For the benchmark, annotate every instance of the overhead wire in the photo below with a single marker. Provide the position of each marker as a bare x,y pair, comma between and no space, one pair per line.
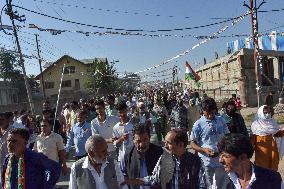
46,52
108,10
50,45
82,48
123,29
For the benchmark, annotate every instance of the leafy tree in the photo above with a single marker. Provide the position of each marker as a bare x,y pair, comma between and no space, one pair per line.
9,66
34,85
103,78
10,70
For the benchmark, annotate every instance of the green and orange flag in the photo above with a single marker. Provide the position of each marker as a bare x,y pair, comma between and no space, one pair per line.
190,73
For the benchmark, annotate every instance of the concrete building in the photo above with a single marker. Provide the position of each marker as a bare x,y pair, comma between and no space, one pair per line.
9,97
76,73
8,94
235,74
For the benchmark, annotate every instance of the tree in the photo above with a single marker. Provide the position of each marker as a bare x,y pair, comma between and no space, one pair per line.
34,84
10,71
9,66
103,78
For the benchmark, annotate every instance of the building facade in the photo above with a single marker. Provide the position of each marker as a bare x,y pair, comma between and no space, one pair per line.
8,94
75,74
235,74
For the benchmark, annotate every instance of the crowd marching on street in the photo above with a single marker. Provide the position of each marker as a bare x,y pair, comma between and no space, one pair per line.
143,140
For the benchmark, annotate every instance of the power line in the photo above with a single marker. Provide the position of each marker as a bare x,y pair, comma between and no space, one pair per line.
27,49
43,43
47,43
107,10
46,52
124,29
272,10
84,50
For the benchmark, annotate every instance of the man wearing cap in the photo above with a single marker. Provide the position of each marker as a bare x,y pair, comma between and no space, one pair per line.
179,114
143,116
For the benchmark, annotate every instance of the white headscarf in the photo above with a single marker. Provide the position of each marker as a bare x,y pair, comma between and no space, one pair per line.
263,126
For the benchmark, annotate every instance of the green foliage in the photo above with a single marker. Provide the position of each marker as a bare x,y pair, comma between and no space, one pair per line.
9,67
34,85
10,71
104,77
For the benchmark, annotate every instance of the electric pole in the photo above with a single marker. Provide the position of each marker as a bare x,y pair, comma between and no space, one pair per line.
40,67
257,59
174,73
13,16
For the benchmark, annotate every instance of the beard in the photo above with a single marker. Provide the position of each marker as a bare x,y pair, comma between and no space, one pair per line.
98,160
142,150
231,113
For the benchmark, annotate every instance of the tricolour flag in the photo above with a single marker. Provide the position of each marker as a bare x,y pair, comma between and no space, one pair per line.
190,73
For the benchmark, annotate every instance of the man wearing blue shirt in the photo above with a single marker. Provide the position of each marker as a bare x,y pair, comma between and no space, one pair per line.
78,135
24,168
206,133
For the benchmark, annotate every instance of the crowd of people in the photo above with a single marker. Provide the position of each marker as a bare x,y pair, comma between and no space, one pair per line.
142,140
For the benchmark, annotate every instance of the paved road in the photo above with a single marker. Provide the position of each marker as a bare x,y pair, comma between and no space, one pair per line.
64,180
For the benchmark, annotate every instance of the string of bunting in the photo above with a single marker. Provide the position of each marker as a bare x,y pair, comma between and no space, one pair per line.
164,73
197,45
154,76
88,33
158,80
53,31
155,73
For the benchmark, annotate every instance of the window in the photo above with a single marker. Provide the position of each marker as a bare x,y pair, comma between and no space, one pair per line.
77,84
69,69
66,83
49,85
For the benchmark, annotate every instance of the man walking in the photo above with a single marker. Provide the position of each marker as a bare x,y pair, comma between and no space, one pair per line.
206,133
141,159
236,151
103,125
95,171
24,168
79,135
176,168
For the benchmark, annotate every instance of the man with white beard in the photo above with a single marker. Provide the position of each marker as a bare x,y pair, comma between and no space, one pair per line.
95,171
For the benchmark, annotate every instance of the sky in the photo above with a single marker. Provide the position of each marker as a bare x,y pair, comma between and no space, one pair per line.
135,53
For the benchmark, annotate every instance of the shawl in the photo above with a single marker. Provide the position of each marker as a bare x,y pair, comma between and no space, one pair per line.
262,126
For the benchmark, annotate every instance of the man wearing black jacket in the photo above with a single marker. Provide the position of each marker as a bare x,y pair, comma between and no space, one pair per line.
141,158
236,151
176,168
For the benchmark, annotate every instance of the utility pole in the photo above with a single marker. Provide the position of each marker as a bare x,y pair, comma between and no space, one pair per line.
95,71
257,59
40,66
12,15
174,73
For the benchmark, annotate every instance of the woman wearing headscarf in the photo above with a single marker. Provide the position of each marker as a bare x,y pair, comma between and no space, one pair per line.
264,130
234,120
